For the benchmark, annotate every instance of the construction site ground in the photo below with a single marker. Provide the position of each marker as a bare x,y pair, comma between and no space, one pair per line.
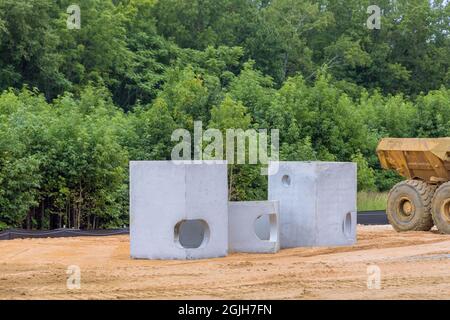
411,265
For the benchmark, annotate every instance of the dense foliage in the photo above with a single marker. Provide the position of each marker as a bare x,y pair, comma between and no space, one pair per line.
77,105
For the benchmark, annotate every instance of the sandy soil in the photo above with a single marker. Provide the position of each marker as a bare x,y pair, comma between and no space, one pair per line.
413,265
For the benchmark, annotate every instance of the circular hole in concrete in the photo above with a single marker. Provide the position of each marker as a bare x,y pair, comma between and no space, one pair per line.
286,180
347,225
191,234
266,227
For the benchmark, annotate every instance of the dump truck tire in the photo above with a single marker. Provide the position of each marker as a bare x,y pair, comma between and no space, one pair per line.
441,208
409,206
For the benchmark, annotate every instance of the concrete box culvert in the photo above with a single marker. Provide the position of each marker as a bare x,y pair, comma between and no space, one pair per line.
254,226
317,203
178,211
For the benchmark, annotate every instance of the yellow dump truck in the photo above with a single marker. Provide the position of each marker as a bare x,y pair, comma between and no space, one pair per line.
424,199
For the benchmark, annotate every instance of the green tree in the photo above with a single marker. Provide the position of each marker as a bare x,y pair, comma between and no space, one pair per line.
366,175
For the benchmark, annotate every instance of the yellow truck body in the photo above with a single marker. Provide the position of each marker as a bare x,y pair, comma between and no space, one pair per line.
417,158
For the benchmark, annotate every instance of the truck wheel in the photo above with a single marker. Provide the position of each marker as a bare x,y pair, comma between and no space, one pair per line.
409,206
441,208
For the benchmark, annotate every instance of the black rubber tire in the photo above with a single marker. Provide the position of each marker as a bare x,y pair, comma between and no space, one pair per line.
441,208
420,195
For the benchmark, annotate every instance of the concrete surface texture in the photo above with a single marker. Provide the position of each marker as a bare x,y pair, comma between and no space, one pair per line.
243,235
178,211
317,203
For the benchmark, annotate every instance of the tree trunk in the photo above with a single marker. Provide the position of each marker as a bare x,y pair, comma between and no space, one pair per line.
230,187
285,66
41,222
29,218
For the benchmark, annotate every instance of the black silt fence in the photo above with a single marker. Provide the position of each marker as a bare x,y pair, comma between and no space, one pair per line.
58,233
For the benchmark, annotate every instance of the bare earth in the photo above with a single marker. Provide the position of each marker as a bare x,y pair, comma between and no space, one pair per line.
413,265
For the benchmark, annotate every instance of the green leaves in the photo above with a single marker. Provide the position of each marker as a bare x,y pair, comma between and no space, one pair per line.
229,115
62,159
366,175
433,114
78,104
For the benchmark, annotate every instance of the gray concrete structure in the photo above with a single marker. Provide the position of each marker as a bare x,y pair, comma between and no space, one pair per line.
317,203
246,234
178,211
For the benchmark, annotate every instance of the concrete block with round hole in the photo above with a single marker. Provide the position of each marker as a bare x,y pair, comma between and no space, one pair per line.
178,211
317,203
253,226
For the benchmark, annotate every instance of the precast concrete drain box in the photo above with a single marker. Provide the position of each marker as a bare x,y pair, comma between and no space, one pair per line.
254,226
178,211
317,203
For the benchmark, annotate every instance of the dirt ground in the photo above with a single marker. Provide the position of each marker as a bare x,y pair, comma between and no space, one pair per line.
413,265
